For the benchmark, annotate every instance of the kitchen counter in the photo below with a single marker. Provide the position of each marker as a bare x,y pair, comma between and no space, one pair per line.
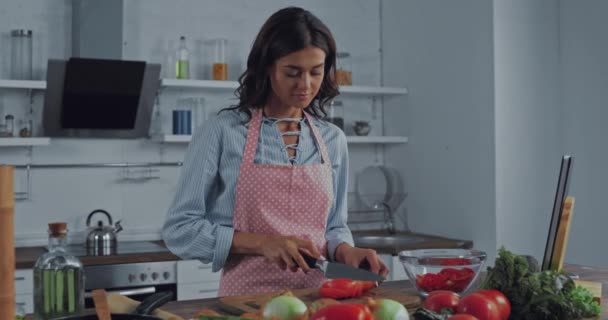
26,257
420,241
186,309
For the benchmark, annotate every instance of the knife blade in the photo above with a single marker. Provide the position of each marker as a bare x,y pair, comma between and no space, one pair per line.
334,270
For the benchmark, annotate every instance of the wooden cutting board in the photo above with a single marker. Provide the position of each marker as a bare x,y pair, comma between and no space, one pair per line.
252,303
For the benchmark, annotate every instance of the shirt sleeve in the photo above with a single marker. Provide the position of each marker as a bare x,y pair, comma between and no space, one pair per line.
187,230
338,231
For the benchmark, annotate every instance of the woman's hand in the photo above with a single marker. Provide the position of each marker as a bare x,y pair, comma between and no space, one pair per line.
357,257
286,251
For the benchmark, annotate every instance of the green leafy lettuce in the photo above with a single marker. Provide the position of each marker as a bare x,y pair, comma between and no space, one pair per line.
546,295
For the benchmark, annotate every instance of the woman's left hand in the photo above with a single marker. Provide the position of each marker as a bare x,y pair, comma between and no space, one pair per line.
356,257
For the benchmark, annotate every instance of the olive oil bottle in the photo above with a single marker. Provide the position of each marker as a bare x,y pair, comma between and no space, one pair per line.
182,63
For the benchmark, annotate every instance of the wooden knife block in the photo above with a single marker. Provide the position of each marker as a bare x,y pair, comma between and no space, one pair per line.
7,244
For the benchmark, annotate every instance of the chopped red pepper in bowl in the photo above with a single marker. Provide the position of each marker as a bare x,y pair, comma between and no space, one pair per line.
442,269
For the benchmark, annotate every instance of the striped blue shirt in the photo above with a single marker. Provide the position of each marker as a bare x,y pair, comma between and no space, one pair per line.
199,220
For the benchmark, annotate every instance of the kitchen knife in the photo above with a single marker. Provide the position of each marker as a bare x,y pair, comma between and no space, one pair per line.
334,270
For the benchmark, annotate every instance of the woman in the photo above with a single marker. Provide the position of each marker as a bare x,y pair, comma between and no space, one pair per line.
266,181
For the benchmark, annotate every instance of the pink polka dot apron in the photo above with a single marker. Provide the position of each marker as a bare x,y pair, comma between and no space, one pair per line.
278,199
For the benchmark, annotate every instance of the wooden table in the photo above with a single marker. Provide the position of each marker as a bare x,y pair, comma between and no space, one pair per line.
186,309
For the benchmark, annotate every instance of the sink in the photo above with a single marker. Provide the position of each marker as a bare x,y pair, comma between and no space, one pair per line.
397,240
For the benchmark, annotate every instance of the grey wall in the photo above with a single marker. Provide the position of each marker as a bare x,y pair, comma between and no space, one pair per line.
97,29
527,119
584,82
149,26
442,51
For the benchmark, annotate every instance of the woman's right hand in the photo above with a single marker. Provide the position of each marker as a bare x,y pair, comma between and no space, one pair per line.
286,251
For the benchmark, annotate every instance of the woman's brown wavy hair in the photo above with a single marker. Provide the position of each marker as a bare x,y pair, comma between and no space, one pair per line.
287,30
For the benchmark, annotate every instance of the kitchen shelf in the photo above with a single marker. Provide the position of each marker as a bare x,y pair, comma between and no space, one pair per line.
24,142
22,84
232,85
350,139
200,84
376,139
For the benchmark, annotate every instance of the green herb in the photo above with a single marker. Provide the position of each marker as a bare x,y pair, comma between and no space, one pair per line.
546,295
583,300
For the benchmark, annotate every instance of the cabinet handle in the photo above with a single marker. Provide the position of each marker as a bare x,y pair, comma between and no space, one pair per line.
19,278
20,304
127,293
205,291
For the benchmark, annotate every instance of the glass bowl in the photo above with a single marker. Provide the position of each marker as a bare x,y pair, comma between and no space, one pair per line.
442,269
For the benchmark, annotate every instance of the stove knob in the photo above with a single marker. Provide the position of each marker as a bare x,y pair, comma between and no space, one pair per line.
154,275
143,277
131,278
166,275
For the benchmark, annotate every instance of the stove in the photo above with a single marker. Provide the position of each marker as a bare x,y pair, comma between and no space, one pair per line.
122,248
136,280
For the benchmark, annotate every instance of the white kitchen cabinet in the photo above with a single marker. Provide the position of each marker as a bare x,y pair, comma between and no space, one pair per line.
199,290
24,289
24,281
25,301
195,280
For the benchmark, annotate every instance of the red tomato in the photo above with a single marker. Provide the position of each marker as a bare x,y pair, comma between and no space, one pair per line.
344,311
441,299
480,306
462,317
447,279
503,304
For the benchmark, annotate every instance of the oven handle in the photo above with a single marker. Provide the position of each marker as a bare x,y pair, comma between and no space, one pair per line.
130,292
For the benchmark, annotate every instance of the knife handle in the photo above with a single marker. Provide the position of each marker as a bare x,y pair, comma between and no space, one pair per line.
310,261
365,265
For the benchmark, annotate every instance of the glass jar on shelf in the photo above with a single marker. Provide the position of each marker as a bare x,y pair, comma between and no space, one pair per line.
336,114
26,128
58,278
9,122
21,54
344,75
220,62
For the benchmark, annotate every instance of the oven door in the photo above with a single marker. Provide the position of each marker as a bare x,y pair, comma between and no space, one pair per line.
135,293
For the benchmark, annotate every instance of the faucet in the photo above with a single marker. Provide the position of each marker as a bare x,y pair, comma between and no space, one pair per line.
389,224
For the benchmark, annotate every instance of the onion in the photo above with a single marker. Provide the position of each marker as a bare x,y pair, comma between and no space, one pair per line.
387,309
284,308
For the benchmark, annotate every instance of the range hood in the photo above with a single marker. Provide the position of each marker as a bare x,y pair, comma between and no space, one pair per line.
99,98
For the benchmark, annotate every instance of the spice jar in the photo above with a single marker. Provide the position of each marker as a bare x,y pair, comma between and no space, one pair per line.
9,122
344,75
336,114
220,64
25,130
